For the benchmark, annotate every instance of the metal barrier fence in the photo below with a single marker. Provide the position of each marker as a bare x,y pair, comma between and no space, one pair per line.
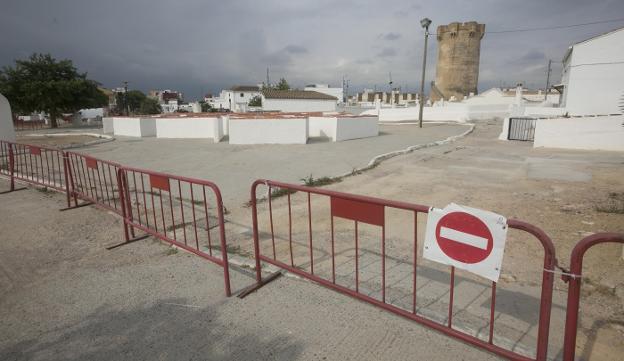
37,165
371,212
94,180
176,210
574,288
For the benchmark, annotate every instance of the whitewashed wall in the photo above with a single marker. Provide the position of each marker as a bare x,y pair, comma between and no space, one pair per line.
594,75
299,105
269,131
134,127
192,127
454,112
356,127
107,125
590,133
322,127
7,132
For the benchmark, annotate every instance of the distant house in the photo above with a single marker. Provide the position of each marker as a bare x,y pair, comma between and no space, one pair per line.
235,99
592,81
326,89
297,101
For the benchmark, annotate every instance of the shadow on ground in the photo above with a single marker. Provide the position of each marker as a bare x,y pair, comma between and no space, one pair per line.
168,330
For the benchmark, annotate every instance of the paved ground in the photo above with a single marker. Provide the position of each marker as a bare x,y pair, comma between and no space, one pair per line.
63,296
235,167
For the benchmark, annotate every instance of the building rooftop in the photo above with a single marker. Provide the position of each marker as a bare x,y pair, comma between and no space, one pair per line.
245,88
296,94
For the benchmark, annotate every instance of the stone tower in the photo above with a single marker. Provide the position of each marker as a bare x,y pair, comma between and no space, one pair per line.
457,71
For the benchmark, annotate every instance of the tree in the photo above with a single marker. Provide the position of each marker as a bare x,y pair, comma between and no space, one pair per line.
136,102
282,85
150,106
205,106
41,83
255,101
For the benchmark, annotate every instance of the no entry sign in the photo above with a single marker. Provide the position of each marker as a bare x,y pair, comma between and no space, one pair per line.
467,238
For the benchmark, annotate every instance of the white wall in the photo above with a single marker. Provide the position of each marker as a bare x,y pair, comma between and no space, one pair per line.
269,131
134,127
334,92
591,133
594,75
299,105
191,127
107,125
356,127
7,132
322,127
456,112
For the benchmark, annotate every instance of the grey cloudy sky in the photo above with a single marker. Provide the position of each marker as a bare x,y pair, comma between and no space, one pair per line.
202,46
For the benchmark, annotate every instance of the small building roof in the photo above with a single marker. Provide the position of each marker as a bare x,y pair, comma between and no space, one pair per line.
245,88
296,94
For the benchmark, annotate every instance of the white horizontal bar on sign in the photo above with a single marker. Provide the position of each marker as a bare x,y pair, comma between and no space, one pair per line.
463,237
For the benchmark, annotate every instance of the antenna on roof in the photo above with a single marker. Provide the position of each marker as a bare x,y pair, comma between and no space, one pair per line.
390,80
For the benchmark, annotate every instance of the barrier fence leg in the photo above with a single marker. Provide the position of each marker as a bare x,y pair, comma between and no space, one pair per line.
122,200
224,255
254,217
12,166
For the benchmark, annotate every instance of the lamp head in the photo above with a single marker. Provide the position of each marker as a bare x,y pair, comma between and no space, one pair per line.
425,23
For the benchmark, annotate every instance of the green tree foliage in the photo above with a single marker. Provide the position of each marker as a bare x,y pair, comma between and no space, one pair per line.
282,85
136,102
205,107
43,84
255,101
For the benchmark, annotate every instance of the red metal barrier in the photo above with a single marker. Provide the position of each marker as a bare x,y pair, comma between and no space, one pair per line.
373,211
94,180
574,287
37,165
175,209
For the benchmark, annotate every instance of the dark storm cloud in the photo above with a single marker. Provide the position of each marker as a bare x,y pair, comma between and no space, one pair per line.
202,46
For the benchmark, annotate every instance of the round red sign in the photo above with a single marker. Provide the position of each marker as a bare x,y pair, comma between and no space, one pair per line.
464,237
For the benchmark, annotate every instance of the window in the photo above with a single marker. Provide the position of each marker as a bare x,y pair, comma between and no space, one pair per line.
242,95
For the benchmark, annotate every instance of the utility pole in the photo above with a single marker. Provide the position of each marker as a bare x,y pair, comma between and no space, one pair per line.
547,80
268,82
125,97
425,24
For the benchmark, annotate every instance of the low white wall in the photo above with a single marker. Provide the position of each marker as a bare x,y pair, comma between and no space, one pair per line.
454,112
269,131
356,127
134,127
590,133
322,127
191,127
544,111
299,105
7,132
107,125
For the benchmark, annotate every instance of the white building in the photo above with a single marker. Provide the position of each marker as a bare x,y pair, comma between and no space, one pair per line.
235,99
298,101
593,75
326,89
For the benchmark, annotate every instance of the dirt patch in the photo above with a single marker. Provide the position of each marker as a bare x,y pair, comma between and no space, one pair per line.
58,141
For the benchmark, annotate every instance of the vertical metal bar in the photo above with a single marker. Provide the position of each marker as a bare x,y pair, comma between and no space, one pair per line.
162,212
207,221
310,233
136,197
99,179
292,263
173,223
182,209
68,185
332,251
120,177
452,289
12,166
194,219
383,263
271,221
415,260
108,197
145,201
153,206
357,266
112,185
224,255
492,309
254,224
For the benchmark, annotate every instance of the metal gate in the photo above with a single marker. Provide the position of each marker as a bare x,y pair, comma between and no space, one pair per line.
521,129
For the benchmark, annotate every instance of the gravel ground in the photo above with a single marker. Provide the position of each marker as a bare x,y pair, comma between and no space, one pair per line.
63,296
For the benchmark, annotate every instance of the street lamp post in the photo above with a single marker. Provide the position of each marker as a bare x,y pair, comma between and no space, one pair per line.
425,24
